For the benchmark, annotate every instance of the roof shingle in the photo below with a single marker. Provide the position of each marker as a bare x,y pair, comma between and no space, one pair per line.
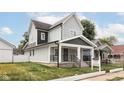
117,49
41,25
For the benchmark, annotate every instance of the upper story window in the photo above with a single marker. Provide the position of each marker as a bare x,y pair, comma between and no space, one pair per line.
43,36
73,33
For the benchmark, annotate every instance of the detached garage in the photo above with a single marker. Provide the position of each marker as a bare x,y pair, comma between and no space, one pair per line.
6,51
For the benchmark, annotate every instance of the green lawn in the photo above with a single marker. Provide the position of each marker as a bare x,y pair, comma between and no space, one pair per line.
116,79
107,67
34,71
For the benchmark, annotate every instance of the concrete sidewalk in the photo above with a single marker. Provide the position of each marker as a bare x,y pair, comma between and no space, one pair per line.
78,77
106,76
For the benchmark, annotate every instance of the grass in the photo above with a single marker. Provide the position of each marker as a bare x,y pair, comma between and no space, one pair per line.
35,72
116,79
107,67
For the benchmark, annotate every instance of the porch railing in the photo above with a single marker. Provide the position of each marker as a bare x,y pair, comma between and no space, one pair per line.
73,59
70,58
53,58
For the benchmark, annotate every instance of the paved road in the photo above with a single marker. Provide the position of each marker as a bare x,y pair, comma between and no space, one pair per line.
107,76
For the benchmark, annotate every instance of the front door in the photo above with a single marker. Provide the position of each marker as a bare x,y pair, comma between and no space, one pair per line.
65,54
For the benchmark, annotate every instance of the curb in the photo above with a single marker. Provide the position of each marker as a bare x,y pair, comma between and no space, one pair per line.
79,77
116,70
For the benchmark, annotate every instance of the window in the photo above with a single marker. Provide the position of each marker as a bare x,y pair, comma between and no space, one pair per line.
56,52
42,36
73,33
86,55
31,52
96,54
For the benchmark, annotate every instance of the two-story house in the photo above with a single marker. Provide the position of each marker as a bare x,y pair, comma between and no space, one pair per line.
61,43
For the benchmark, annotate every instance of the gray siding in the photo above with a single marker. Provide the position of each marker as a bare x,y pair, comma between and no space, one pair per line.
77,41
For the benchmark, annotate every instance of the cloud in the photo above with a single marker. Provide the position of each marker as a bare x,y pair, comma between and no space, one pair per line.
6,31
53,19
121,40
121,14
82,17
116,30
36,14
49,19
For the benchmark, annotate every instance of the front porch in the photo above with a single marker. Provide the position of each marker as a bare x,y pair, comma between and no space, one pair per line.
70,55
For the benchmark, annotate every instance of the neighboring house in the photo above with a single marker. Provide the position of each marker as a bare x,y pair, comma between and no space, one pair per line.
6,51
117,54
101,52
61,43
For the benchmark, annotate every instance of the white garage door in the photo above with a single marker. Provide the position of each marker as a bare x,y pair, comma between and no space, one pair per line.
5,56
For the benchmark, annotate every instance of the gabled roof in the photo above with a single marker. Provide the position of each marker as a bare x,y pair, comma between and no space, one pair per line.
8,43
118,49
41,25
97,41
102,47
82,37
46,26
62,21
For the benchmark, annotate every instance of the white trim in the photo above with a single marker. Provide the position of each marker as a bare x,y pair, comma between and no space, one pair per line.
30,25
109,47
78,53
99,62
79,22
25,45
68,17
36,37
98,41
79,36
92,56
49,54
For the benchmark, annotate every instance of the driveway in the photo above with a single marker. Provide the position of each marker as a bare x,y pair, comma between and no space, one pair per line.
106,76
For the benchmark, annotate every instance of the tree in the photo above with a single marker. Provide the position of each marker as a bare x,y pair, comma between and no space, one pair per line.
89,29
22,43
108,40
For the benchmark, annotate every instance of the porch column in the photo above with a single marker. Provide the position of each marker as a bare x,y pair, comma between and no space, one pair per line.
49,53
78,53
99,62
92,56
60,50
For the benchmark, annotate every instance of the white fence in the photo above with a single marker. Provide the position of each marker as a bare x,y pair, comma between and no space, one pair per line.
20,58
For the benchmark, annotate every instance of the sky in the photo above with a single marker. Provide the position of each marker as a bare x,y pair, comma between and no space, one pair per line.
14,24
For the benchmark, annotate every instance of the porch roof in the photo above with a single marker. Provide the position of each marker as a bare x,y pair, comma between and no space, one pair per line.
103,47
81,37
